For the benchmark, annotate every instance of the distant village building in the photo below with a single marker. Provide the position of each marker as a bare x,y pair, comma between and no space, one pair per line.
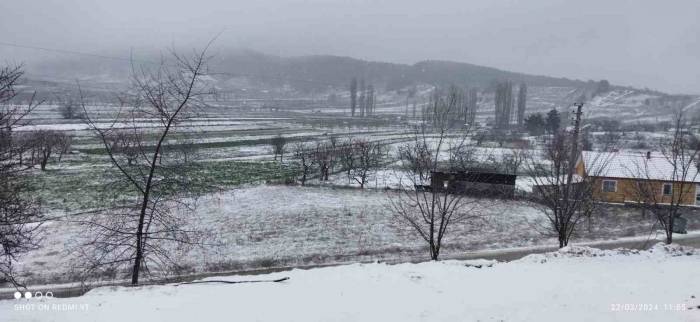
617,174
474,182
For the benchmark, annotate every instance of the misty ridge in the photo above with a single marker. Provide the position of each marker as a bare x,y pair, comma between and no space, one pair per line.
304,73
322,83
642,43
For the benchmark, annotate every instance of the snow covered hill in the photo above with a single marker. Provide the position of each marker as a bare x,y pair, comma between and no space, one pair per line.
573,284
629,105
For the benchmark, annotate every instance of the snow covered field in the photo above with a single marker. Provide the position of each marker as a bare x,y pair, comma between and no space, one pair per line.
573,284
262,226
268,226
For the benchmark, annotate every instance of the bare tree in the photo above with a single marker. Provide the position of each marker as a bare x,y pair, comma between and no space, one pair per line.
669,180
362,100
479,137
46,143
322,157
472,97
368,154
136,229
513,161
563,195
370,104
353,96
187,150
522,103
278,143
416,157
609,140
20,224
63,142
334,147
504,104
304,157
565,198
126,144
20,215
431,212
70,108
346,156
462,155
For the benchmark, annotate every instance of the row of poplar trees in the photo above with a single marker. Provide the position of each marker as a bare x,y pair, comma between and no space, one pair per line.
364,104
505,103
462,102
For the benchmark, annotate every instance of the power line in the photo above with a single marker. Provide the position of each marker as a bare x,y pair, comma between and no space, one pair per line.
72,52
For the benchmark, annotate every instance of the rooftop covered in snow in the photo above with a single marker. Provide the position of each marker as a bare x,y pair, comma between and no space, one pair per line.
639,165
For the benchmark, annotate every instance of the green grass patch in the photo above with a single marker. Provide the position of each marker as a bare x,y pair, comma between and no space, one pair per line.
89,187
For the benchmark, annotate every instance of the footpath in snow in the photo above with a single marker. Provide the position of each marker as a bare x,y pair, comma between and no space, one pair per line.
573,284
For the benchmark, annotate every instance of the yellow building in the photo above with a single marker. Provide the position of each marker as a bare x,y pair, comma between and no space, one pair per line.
622,177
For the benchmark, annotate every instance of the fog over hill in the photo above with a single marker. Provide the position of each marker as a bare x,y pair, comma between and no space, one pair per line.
322,81
643,43
303,73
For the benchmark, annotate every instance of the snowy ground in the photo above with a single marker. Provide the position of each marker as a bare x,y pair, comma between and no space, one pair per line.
262,226
573,284
269,226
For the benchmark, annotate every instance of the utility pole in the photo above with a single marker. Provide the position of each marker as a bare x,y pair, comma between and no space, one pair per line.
574,139
574,152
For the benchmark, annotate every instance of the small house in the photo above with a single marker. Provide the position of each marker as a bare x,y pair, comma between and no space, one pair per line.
617,176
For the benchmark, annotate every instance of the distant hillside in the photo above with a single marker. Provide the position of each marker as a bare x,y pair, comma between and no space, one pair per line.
306,73
319,72
247,74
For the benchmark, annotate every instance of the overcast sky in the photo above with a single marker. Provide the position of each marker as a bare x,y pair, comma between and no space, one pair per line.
644,43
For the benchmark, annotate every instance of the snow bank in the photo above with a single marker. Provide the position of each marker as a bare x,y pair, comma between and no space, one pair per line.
573,284
660,250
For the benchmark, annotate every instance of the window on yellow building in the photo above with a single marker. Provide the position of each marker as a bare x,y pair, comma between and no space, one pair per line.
609,186
668,189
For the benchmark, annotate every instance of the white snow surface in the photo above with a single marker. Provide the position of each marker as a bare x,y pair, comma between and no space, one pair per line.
573,284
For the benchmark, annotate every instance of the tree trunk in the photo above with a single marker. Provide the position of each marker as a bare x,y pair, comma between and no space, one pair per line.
434,252
139,237
139,256
669,228
563,242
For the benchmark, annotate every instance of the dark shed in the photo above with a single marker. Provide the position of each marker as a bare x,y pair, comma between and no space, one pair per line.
474,182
